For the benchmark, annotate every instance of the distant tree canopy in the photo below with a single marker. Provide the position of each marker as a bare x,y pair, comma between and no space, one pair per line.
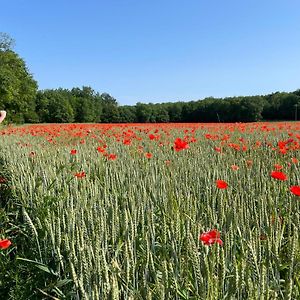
85,105
19,95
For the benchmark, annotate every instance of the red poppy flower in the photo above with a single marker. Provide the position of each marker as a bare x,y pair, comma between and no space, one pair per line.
127,142
80,174
101,149
234,167
279,175
148,155
221,184
179,145
4,244
211,237
295,190
112,156
294,160
73,151
278,167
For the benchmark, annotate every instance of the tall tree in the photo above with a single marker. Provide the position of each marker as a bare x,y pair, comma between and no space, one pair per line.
17,86
110,112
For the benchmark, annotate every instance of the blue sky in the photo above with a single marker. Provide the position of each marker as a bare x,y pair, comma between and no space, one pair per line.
159,50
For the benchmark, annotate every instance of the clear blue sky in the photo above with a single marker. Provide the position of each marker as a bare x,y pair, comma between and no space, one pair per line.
159,50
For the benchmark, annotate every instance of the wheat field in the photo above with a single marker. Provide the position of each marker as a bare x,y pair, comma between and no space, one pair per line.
99,211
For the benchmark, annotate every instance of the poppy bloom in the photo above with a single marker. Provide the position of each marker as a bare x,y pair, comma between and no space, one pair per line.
148,155
279,175
4,244
234,167
283,150
73,151
80,174
112,156
211,237
221,184
278,167
179,145
101,149
295,190
127,142
294,160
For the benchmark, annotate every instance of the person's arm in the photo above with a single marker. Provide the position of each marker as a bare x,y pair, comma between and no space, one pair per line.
2,115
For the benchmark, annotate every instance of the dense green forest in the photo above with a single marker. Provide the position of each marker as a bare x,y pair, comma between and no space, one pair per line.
19,95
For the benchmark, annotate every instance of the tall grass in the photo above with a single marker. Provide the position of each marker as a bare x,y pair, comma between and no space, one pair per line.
130,228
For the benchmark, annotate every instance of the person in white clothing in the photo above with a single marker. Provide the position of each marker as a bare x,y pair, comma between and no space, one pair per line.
2,115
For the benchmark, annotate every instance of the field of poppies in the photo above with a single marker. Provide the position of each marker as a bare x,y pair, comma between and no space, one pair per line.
150,211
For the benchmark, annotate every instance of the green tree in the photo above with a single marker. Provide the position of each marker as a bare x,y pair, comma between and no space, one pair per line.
17,86
110,112
54,106
127,114
85,105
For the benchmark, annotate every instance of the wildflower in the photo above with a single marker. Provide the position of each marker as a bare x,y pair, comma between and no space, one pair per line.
112,156
80,174
179,145
101,149
234,167
148,155
127,142
279,175
221,184
73,152
4,244
278,167
295,190
211,237
294,160
283,150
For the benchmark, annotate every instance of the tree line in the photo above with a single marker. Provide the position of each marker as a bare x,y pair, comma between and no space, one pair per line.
20,96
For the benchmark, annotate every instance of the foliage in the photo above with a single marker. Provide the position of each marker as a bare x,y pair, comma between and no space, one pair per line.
17,88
